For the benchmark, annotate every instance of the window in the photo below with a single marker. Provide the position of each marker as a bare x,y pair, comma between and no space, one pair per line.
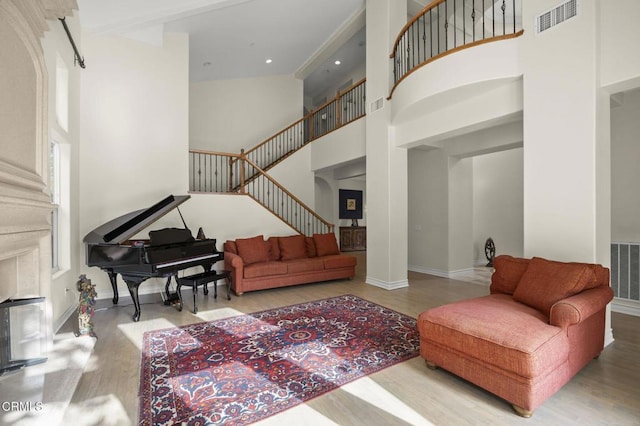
62,94
54,190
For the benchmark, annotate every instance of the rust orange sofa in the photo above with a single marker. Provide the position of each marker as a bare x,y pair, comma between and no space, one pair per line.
542,322
256,264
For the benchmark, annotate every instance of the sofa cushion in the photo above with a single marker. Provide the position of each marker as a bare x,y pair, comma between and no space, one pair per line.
499,331
546,281
230,246
304,265
339,261
274,248
311,247
292,247
508,271
264,269
326,244
252,250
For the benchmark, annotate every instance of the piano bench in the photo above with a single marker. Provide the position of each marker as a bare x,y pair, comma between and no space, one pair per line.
203,278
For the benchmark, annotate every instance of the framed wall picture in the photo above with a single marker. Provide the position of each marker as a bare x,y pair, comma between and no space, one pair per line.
350,204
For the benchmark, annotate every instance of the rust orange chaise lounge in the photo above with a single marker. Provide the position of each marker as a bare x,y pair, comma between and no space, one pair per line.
542,323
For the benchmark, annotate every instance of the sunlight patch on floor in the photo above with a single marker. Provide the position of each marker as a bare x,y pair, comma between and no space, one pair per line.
296,416
374,394
220,313
135,330
101,410
46,389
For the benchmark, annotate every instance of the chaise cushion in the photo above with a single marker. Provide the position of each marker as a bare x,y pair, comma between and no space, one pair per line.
326,244
546,281
499,331
508,271
292,247
253,250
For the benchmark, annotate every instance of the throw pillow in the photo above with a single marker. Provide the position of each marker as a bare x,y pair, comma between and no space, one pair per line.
311,247
326,244
507,274
274,248
292,247
545,282
252,250
230,246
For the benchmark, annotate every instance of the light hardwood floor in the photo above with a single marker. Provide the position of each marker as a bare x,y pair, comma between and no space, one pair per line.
605,392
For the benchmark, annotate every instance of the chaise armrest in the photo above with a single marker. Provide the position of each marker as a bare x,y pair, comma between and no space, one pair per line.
579,307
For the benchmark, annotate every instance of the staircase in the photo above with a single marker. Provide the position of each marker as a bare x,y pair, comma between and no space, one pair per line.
245,173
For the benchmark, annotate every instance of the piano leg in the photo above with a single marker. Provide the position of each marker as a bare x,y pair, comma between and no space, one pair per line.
133,283
113,277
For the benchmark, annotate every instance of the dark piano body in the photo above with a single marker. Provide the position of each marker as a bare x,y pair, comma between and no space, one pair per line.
168,250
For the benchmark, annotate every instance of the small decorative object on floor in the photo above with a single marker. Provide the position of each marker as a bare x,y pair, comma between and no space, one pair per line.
86,306
490,251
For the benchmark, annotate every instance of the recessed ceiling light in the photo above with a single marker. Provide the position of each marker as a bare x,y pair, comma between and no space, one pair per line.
337,62
268,61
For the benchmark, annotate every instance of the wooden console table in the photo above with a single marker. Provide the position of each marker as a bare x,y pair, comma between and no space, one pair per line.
353,238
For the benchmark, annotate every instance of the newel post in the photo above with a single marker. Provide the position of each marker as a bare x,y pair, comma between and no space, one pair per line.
243,162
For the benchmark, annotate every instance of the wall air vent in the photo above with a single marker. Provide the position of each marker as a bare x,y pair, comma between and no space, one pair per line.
556,16
377,104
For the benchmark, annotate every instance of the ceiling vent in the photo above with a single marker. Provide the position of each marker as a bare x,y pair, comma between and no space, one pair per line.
556,16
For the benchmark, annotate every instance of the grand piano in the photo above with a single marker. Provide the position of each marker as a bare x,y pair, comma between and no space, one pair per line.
164,254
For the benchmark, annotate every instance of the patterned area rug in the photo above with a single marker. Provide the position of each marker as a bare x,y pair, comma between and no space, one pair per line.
242,369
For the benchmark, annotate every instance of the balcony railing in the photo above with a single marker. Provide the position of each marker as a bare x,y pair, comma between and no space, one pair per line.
446,26
346,107
222,172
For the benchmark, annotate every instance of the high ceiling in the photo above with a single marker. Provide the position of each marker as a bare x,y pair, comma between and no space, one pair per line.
231,39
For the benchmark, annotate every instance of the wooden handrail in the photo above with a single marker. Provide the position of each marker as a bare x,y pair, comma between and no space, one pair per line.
423,11
416,44
308,116
450,51
283,189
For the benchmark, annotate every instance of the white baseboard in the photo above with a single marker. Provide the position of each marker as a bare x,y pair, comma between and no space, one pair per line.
438,272
64,317
394,285
624,306
148,287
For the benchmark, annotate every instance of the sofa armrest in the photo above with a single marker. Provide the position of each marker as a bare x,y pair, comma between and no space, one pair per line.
579,307
235,264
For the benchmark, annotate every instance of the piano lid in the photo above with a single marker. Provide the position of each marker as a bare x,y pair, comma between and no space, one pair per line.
119,230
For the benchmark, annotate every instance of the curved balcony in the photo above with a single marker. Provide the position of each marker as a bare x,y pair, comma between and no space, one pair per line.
455,37
447,26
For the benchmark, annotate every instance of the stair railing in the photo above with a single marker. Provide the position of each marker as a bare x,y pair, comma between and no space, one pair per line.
446,26
347,106
227,173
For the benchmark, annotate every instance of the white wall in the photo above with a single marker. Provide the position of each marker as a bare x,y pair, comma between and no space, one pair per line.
625,173
227,217
620,63
296,176
497,203
55,43
346,144
566,185
135,128
428,182
228,115
355,75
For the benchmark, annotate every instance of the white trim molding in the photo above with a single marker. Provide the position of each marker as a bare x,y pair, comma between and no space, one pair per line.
393,285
